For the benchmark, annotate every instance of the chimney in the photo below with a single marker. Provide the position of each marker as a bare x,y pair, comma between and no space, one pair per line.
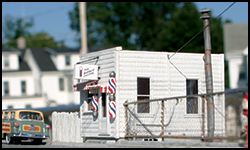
21,43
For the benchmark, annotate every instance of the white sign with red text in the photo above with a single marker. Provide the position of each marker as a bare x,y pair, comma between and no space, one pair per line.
88,72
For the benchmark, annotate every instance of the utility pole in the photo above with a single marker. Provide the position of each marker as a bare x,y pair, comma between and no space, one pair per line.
82,8
208,73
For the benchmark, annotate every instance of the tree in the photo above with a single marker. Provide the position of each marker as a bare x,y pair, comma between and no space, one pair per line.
163,26
41,40
15,27
18,27
157,26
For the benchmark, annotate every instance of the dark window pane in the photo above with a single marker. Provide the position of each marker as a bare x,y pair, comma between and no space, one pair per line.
143,107
192,102
143,86
23,86
6,88
61,84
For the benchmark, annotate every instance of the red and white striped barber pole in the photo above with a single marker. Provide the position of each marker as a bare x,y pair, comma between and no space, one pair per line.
112,90
94,102
112,85
112,109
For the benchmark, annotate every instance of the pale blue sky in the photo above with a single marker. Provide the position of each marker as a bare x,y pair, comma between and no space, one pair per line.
53,18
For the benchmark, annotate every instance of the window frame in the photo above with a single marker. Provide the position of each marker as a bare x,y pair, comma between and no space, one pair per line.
23,87
67,60
6,61
191,110
6,88
144,94
61,84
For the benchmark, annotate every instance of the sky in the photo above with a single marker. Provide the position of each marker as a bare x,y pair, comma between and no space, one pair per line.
53,18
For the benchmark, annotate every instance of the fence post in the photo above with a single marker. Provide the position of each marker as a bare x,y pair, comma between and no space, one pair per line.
126,118
162,119
208,73
203,118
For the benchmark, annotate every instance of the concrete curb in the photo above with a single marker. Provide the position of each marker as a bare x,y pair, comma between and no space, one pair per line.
148,144
186,144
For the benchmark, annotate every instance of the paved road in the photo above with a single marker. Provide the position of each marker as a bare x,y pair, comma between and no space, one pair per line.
75,145
124,144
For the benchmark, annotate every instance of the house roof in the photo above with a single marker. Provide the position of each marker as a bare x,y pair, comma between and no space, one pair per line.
23,64
42,57
67,50
61,51
43,60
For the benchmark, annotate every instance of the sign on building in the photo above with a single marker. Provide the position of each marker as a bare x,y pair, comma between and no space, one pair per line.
88,72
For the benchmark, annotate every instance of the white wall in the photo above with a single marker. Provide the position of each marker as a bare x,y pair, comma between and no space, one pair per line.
61,65
50,87
167,81
21,102
89,126
15,79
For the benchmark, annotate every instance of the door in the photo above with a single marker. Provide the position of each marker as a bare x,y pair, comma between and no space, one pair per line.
103,123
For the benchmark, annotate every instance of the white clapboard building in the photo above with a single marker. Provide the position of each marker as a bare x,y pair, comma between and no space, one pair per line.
164,77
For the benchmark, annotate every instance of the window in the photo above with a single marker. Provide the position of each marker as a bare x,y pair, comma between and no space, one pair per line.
192,102
27,106
6,88
61,84
67,60
6,61
23,87
6,116
30,115
10,106
243,69
143,93
12,115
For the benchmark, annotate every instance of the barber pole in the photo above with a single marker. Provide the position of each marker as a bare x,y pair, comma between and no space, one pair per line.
112,85
112,109
112,90
94,103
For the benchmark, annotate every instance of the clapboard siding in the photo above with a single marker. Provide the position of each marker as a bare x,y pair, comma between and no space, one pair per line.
166,80
90,127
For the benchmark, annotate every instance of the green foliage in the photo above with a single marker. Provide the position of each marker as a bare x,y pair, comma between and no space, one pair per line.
17,27
157,26
40,40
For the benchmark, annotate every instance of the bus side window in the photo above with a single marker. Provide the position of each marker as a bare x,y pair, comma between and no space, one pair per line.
12,115
6,116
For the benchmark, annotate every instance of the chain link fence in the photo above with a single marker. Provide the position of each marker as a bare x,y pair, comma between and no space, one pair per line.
186,117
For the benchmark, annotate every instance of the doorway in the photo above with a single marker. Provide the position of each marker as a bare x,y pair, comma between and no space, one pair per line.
103,124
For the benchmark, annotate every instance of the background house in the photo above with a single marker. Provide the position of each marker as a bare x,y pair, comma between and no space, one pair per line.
236,53
34,78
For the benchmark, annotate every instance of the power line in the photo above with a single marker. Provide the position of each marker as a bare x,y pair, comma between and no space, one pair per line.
194,38
47,11
202,29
